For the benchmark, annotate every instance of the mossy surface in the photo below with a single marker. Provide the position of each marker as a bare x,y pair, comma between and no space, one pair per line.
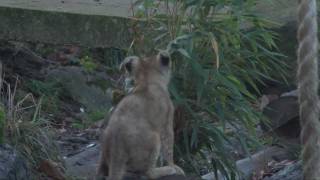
64,28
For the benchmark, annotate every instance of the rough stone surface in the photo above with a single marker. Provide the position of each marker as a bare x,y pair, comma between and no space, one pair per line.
281,111
64,28
291,172
12,165
22,61
94,23
84,165
280,12
81,87
283,114
119,8
255,163
258,161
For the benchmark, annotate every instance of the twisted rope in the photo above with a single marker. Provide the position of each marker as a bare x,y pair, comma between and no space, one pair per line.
308,89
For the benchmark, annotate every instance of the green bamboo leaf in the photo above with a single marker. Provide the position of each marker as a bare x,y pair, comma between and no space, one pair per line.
184,53
217,98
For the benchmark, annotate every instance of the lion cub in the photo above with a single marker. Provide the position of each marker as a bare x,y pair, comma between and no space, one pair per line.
141,124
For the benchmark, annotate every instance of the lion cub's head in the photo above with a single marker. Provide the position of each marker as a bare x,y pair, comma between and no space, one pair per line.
143,71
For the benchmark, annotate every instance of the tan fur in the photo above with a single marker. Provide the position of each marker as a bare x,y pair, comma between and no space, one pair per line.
141,125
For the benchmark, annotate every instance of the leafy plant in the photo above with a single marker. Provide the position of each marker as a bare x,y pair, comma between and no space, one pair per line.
44,88
112,58
102,59
78,125
221,49
34,138
26,129
49,91
88,63
90,118
96,115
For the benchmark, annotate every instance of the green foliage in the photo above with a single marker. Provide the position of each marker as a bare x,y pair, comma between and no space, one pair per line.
112,58
88,64
33,137
220,51
97,115
101,83
102,59
2,124
89,119
43,49
78,125
26,129
49,91
40,88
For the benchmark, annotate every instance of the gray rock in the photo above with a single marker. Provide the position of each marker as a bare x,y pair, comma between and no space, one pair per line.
281,12
83,87
281,111
18,59
83,164
81,22
283,115
253,164
291,93
12,165
291,172
258,161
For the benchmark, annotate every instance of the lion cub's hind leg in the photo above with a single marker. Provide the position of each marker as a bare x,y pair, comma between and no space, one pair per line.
159,172
102,169
118,163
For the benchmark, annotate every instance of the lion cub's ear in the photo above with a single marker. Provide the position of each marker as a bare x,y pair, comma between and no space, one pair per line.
129,63
164,58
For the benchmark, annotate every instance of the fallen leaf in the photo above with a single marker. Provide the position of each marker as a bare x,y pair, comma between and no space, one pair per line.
51,169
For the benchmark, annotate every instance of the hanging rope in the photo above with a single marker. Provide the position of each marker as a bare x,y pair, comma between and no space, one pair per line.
308,89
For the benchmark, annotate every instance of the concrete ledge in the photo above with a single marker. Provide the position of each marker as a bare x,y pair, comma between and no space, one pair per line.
64,28
99,23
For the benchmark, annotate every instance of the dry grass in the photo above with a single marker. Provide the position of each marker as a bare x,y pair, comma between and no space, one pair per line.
25,128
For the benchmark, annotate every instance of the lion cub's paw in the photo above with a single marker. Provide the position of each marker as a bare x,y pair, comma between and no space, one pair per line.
178,170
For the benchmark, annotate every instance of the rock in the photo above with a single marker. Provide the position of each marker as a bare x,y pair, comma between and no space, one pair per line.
79,140
281,12
283,114
255,163
80,22
84,165
83,87
12,165
290,93
291,172
178,177
211,176
17,58
266,99
258,161
172,177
